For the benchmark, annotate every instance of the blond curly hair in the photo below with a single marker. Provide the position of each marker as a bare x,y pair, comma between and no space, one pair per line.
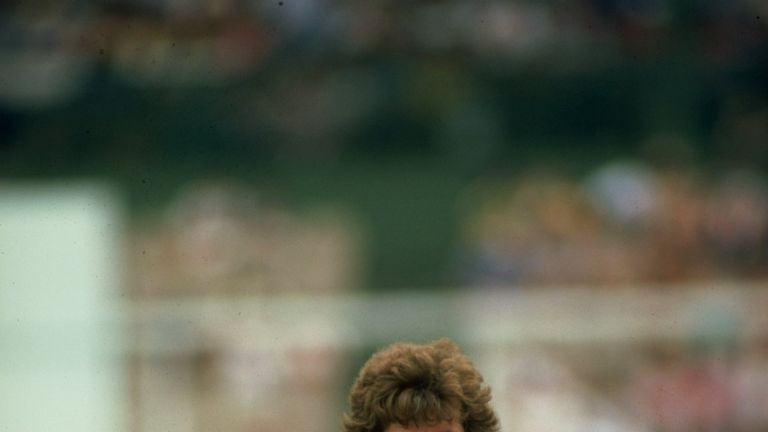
410,384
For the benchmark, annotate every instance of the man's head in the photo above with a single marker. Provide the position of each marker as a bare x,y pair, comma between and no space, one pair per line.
420,388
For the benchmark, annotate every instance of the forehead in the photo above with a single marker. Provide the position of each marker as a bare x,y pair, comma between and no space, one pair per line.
439,427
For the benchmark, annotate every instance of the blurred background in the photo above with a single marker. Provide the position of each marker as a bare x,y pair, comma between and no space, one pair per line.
213,211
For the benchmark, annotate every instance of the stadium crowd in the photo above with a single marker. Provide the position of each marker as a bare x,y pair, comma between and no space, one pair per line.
623,223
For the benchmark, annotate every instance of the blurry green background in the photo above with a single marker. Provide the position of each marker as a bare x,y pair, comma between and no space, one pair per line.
387,108
574,190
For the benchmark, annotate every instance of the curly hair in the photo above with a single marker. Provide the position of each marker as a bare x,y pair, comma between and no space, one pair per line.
410,384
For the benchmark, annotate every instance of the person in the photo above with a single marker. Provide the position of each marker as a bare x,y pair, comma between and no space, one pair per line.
420,388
